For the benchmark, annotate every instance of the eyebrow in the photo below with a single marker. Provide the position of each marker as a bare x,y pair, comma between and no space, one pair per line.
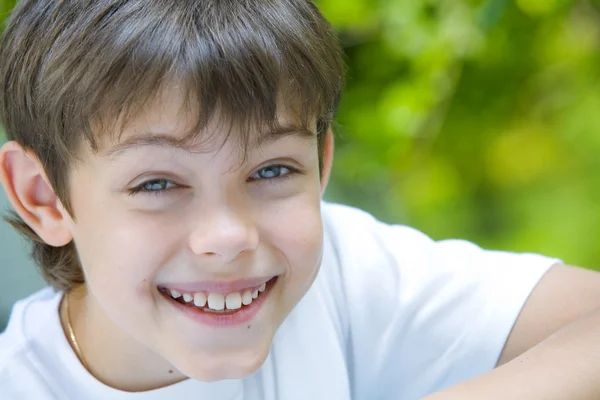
166,140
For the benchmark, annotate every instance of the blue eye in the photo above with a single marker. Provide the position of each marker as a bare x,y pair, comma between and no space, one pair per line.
271,172
155,186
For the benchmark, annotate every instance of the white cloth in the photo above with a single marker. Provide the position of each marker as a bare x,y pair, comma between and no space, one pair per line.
392,314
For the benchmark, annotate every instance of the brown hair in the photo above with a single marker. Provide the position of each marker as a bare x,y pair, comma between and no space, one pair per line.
68,65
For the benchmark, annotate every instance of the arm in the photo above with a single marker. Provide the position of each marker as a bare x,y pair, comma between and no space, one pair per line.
566,366
553,351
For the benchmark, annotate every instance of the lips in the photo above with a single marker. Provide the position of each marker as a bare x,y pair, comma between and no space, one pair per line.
219,309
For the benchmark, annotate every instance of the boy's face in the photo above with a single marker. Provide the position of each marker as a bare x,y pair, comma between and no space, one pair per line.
151,218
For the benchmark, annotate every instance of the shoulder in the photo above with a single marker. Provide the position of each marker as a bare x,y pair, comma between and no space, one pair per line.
351,230
360,240
444,308
27,320
16,371
19,372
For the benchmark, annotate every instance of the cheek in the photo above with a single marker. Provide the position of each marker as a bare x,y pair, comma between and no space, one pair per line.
305,252
296,231
122,252
121,258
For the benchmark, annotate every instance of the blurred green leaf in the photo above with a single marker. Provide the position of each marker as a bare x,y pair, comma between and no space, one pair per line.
476,119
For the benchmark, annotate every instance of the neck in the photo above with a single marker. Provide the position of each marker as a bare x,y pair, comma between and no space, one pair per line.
129,365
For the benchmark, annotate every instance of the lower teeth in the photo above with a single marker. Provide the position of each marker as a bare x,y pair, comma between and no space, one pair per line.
225,311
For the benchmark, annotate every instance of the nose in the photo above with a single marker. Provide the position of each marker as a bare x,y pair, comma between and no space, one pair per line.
223,233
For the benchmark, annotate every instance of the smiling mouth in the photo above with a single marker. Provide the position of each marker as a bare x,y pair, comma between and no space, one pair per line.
219,303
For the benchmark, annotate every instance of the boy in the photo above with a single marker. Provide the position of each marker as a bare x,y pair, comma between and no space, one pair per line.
167,158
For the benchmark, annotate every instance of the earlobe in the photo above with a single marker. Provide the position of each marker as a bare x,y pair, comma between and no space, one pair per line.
327,159
31,196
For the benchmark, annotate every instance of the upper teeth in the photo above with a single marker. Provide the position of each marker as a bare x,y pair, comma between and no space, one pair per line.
218,301
246,297
200,299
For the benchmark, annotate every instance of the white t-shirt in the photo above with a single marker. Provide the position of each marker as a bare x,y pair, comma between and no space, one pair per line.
392,314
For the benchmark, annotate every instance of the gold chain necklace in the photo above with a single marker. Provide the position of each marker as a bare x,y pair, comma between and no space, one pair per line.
72,337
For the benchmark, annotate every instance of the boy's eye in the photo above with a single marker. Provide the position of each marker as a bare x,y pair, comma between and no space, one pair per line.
270,172
154,186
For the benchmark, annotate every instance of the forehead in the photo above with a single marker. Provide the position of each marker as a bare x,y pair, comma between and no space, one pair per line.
170,121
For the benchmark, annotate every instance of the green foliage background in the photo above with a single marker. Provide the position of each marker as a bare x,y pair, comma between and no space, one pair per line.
473,119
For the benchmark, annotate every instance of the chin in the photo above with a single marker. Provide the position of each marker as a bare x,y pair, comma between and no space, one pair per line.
218,370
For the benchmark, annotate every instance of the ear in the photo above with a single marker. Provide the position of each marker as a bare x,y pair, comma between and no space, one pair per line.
327,159
32,197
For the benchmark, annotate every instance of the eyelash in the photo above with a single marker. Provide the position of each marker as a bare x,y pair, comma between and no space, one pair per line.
140,188
290,171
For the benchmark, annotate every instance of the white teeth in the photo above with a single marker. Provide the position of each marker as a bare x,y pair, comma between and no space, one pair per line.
234,301
246,297
216,301
199,299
